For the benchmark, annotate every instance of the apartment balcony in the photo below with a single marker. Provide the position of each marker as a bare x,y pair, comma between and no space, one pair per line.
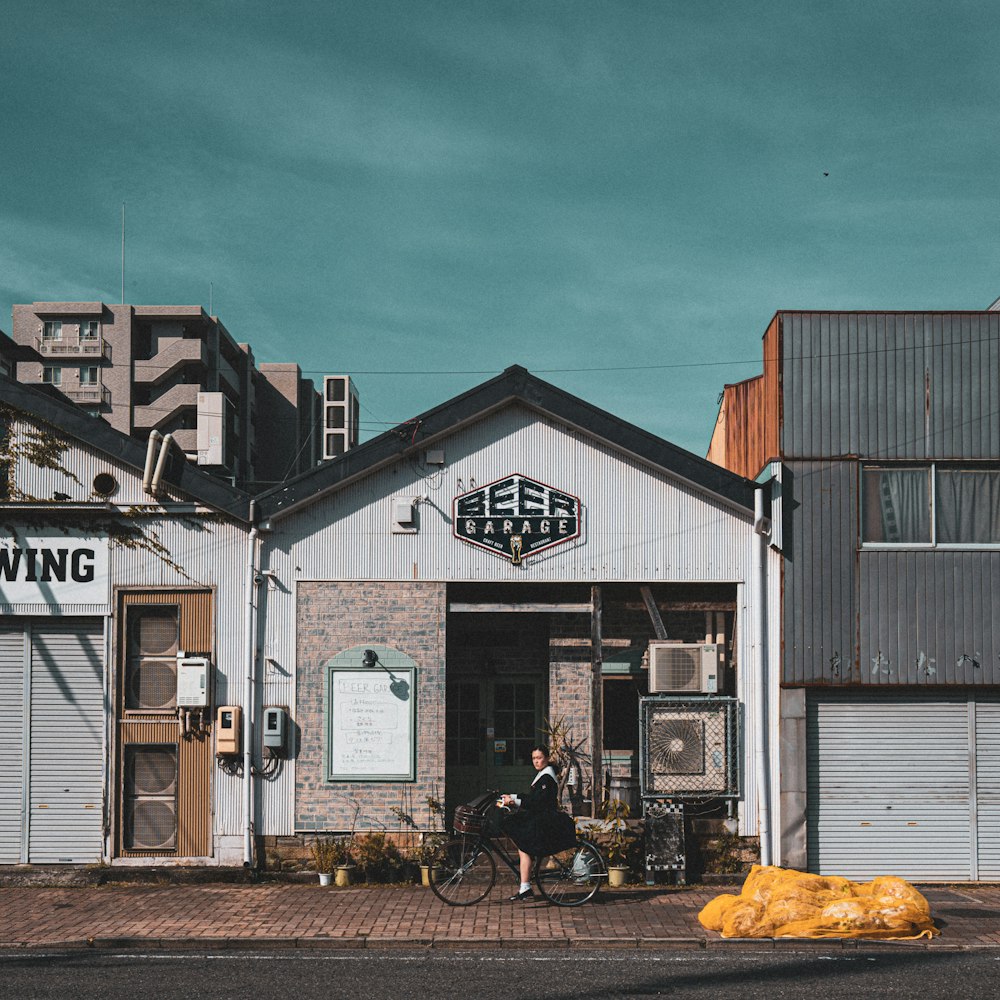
88,395
86,347
177,354
186,438
165,407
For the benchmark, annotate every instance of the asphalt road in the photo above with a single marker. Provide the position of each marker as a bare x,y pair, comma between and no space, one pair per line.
579,975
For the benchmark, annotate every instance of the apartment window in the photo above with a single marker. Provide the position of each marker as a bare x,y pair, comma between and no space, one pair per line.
90,329
335,417
88,375
930,505
52,330
52,375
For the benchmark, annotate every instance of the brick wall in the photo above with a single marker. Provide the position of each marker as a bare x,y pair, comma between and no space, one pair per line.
332,617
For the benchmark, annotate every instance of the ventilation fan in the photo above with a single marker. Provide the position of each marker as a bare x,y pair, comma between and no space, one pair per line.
151,825
150,798
677,746
153,771
152,684
153,632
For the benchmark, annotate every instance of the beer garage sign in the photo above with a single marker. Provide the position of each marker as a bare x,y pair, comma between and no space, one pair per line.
516,517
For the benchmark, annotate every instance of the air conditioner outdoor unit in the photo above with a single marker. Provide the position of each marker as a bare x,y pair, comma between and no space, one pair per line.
684,667
687,748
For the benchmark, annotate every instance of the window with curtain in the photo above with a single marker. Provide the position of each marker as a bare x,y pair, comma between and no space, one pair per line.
967,506
899,507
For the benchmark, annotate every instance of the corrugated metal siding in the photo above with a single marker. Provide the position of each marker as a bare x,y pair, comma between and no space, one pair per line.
639,525
820,632
12,656
67,743
747,431
81,465
933,616
196,618
212,554
891,385
194,780
889,786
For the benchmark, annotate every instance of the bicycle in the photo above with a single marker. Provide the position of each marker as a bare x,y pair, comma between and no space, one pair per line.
464,869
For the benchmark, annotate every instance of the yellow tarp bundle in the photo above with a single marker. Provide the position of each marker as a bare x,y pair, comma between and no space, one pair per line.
778,902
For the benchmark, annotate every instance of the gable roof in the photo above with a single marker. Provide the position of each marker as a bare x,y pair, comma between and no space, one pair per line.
98,435
515,385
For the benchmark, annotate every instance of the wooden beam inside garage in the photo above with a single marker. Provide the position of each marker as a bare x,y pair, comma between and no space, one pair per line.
536,606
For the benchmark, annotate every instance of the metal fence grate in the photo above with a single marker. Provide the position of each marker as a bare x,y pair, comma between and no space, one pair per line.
688,747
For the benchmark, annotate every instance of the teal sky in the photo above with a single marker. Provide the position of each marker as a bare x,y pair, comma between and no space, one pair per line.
616,195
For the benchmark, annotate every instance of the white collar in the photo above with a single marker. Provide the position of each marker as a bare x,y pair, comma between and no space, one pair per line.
549,770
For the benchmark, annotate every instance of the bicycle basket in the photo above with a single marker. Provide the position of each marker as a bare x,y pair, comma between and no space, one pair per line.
471,817
467,820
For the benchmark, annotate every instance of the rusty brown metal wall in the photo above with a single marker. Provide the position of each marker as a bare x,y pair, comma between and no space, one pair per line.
197,624
194,757
747,431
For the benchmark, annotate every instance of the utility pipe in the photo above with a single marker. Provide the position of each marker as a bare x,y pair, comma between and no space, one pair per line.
155,437
248,688
156,486
762,528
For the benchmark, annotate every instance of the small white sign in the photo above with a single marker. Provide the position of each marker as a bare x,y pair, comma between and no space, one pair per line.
57,569
371,724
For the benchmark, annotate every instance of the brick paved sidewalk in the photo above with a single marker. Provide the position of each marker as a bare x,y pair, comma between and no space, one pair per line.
288,915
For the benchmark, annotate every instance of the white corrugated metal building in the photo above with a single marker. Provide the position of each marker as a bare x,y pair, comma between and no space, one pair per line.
102,585
503,559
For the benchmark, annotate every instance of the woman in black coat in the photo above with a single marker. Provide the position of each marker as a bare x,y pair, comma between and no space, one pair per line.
534,825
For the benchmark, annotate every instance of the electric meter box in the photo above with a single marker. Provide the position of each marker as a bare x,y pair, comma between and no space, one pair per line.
228,730
192,681
275,730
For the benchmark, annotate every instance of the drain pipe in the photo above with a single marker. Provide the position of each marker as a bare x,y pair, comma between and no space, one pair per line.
156,484
155,437
248,687
762,529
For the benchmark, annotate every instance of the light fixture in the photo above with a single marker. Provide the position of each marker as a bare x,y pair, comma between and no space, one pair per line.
399,687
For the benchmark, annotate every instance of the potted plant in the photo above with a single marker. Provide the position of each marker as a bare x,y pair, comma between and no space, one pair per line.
617,837
430,841
377,857
330,855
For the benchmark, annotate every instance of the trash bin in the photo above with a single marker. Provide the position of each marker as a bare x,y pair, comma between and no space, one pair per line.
625,788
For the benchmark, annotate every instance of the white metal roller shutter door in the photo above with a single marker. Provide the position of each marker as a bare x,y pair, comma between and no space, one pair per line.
12,658
890,786
67,743
988,787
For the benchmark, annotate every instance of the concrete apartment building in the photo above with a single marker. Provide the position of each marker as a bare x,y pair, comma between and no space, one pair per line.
177,370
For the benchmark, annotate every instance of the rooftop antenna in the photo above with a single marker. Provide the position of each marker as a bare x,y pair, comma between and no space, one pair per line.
123,253
211,289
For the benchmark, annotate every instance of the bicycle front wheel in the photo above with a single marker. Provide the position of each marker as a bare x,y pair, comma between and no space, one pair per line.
571,877
463,871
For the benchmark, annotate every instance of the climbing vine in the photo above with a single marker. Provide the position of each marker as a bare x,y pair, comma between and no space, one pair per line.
46,449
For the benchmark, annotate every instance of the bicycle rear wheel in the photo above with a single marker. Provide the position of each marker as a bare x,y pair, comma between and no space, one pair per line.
571,877
463,871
